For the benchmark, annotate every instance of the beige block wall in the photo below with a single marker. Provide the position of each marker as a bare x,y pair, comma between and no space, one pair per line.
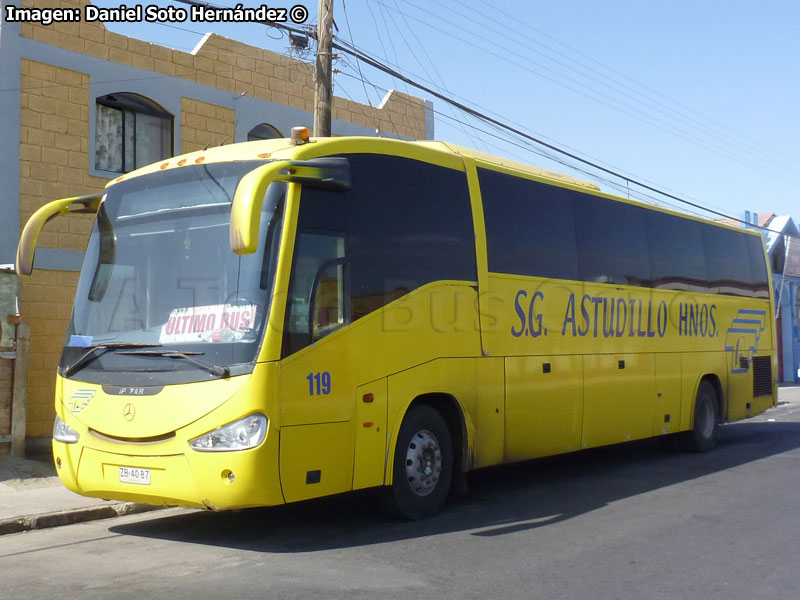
228,65
204,125
54,163
45,303
54,150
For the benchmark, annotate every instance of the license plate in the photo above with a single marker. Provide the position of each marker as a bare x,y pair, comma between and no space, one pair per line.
134,475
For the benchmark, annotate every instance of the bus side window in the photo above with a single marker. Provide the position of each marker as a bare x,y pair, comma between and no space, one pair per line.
728,262
327,311
529,227
404,223
317,254
612,247
677,257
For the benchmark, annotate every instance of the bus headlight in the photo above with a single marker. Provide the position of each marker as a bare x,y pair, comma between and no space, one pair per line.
63,432
239,435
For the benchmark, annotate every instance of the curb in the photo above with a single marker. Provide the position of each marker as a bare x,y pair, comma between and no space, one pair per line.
69,517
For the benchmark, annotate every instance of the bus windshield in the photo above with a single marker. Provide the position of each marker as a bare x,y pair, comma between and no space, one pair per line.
159,271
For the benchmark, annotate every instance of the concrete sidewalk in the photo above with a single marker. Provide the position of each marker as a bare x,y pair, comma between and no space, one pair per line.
32,497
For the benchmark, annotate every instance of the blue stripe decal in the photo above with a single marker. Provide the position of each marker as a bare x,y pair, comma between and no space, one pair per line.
743,336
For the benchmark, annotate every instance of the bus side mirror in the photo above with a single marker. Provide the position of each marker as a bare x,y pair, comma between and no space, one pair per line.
325,173
30,233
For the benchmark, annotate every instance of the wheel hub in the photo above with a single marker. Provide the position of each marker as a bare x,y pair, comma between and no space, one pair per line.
423,463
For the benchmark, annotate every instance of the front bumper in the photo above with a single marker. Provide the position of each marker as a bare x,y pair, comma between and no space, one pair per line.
192,479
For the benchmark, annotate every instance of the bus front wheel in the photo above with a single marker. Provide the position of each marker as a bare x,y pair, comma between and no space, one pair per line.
422,468
703,436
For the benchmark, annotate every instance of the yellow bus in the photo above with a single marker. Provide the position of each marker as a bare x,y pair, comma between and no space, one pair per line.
280,320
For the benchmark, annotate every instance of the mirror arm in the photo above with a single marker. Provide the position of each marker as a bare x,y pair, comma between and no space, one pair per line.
30,233
331,173
247,202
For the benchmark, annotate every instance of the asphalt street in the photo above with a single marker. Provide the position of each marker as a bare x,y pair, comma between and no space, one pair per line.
639,520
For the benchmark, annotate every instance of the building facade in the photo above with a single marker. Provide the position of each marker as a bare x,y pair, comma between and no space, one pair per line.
783,247
80,104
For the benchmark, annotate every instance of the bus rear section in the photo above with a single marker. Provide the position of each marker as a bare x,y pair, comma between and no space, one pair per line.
620,321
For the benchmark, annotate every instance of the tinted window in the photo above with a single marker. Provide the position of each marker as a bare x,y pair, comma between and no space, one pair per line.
727,261
758,267
529,228
612,247
677,261
542,230
403,224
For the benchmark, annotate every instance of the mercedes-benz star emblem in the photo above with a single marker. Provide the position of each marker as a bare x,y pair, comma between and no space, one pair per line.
129,412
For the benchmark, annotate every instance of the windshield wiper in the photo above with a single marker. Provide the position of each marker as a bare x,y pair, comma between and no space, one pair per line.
211,368
96,350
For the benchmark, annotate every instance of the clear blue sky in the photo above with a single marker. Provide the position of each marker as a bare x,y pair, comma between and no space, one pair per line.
698,97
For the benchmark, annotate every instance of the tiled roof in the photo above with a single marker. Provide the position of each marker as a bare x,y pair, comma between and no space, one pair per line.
764,220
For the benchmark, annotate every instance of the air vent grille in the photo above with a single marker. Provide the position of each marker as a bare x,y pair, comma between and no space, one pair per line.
762,376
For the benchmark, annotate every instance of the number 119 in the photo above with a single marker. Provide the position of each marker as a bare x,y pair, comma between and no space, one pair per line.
319,383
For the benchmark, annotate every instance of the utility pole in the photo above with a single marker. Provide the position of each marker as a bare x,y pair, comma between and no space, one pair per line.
323,96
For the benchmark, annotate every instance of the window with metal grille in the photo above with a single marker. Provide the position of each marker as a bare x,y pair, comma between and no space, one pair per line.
131,131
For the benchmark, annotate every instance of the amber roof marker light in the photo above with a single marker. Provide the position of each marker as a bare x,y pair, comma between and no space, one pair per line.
300,136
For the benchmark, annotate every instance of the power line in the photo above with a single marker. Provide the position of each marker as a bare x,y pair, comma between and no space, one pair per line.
650,98
636,194
363,57
590,58
441,83
358,63
593,94
503,136
506,119
311,34
377,29
462,124
360,55
388,70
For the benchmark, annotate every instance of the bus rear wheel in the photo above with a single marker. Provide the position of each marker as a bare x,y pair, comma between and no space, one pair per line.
703,436
422,468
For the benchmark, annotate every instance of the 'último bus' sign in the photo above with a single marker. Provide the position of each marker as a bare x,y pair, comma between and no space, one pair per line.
211,323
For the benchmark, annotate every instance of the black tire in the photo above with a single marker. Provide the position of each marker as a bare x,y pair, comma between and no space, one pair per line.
422,467
703,436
